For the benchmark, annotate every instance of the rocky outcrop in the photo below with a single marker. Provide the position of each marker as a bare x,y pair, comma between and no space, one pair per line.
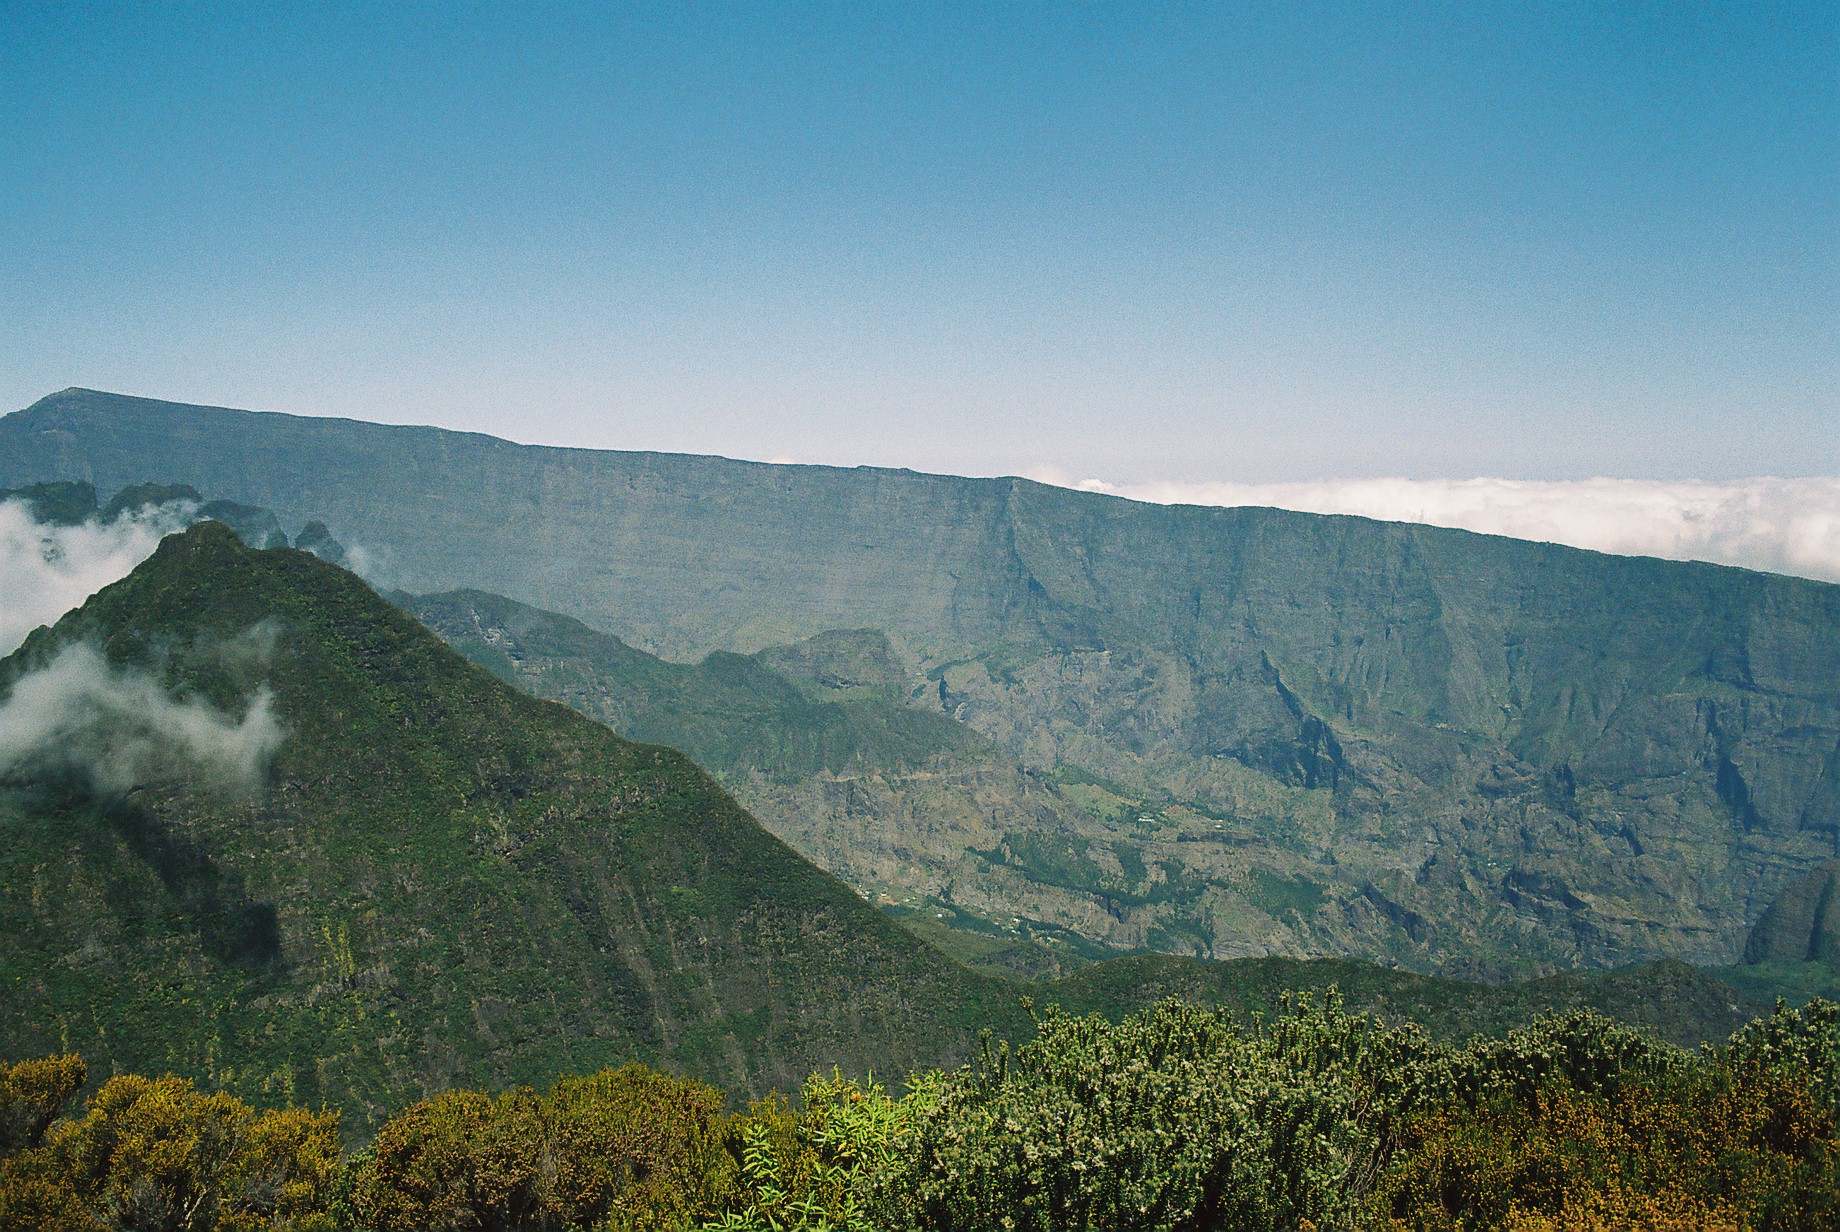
1803,924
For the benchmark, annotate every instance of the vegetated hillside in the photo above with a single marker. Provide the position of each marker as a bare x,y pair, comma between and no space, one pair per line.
1669,1000
800,734
442,879
1297,734
820,742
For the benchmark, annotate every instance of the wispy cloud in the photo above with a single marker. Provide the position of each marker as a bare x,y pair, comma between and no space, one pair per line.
1779,525
49,570
117,727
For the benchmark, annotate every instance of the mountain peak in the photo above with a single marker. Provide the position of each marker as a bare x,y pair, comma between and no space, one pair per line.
444,880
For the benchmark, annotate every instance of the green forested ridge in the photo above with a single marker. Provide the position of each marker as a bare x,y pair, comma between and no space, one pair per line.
1294,734
821,742
443,879
829,705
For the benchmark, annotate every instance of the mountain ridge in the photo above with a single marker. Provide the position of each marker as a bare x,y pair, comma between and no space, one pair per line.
33,452
1461,753
443,877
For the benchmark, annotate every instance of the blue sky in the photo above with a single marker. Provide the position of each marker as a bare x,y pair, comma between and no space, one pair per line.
1153,242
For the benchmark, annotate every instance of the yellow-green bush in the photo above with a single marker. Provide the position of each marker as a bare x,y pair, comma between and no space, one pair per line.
1742,1137
160,1155
626,1149
32,1095
462,1160
635,1149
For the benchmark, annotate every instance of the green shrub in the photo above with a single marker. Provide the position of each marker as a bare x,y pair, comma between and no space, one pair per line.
1801,1043
1176,1119
1582,1050
821,1168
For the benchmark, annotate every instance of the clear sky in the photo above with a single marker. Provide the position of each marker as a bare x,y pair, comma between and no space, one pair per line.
1142,242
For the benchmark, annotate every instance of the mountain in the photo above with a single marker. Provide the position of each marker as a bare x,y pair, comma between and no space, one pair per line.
65,503
435,879
1289,734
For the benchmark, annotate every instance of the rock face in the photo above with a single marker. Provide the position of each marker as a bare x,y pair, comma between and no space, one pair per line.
1803,924
1288,733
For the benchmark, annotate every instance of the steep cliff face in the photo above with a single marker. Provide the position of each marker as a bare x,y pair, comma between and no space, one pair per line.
1484,747
1803,924
1287,733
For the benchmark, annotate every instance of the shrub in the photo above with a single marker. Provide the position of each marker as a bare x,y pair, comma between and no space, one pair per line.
1582,1050
160,1155
626,1149
1176,1119
32,1095
822,1167
1801,1044
1575,1124
635,1149
460,1161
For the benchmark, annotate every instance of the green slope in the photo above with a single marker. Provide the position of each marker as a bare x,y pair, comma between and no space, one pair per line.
1670,1000
820,742
1312,735
830,706
444,880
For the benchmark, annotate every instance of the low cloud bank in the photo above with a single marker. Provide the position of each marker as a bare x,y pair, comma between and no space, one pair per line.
117,728
48,570
1777,525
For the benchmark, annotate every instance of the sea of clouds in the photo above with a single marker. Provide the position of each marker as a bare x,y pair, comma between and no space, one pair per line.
1778,525
112,726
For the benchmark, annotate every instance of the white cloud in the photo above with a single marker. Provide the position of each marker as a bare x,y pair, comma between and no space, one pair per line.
48,570
118,727
1779,525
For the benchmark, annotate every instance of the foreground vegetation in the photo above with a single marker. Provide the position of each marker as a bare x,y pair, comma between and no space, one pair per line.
1178,1118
